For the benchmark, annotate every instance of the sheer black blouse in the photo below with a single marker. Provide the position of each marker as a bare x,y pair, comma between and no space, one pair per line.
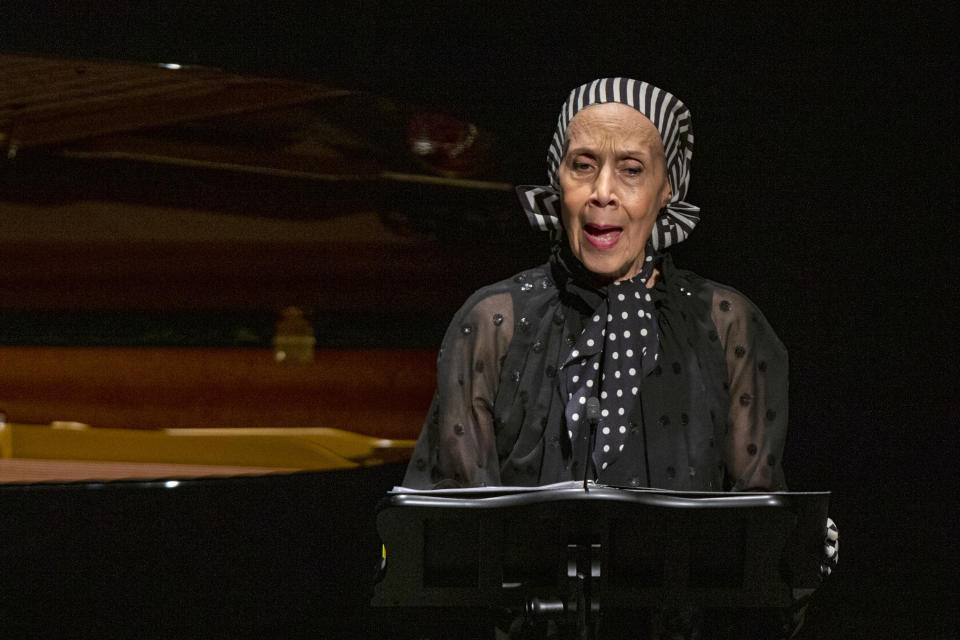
712,415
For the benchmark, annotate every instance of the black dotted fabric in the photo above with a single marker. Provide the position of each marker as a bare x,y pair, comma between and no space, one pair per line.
709,414
617,348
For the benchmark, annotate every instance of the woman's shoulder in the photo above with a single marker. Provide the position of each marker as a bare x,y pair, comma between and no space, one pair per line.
689,284
728,307
499,303
525,285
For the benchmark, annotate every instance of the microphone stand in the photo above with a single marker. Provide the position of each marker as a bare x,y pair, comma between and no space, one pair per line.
584,559
593,417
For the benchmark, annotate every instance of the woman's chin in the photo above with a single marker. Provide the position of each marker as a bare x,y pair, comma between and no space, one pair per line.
606,265
604,271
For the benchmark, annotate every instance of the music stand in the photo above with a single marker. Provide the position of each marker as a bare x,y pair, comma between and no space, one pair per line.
559,551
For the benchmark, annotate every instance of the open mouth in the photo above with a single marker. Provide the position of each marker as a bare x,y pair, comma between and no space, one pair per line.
602,236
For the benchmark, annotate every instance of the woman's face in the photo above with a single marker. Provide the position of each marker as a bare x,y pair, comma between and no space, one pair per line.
614,183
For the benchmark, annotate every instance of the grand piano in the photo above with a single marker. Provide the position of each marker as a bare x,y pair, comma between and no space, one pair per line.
174,550
163,474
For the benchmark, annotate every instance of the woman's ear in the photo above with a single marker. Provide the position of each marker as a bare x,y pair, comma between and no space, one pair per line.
667,194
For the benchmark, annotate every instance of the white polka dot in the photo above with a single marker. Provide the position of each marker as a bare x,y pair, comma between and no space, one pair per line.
596,318
632,371
605,413
621,411
606,448
643,332
589,383
636,294
629,353
583,400
634,390
575,378
603,376
575,417
606,431
596,366
603,331
621,297
621,447
574,353
656,356
616,355
640,313
626,334
590,342
604,465
609,317
619,393
570,434
603,394
616,374
613,337
624,315
623,429
647,297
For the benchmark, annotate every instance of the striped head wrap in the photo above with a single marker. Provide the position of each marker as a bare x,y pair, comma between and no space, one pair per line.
671,118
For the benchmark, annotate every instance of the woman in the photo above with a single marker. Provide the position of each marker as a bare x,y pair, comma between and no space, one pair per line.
691,380
686,378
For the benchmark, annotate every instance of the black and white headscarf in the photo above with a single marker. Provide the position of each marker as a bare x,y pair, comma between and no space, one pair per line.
671,118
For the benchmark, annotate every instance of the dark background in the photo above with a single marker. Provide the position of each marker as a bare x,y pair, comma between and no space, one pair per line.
824,169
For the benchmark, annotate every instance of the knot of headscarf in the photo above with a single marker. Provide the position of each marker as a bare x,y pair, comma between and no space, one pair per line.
671,118
618,347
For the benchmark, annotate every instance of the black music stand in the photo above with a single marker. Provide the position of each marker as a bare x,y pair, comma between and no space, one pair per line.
561,552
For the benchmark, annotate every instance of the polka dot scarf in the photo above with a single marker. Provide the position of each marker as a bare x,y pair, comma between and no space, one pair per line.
618,347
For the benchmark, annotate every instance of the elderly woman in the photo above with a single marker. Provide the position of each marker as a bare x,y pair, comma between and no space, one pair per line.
608,361
690,378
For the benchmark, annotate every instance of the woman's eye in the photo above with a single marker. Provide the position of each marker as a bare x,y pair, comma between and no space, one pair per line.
582,166
633,171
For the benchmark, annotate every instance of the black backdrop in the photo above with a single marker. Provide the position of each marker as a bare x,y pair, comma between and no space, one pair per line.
824,171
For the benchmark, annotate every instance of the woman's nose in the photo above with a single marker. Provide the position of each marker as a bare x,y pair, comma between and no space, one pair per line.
604,188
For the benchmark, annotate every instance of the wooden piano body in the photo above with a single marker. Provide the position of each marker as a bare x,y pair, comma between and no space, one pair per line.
242,517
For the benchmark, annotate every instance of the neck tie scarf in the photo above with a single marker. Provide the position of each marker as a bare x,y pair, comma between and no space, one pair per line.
619,346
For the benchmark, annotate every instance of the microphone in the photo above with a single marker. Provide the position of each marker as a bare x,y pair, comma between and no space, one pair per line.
593,417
